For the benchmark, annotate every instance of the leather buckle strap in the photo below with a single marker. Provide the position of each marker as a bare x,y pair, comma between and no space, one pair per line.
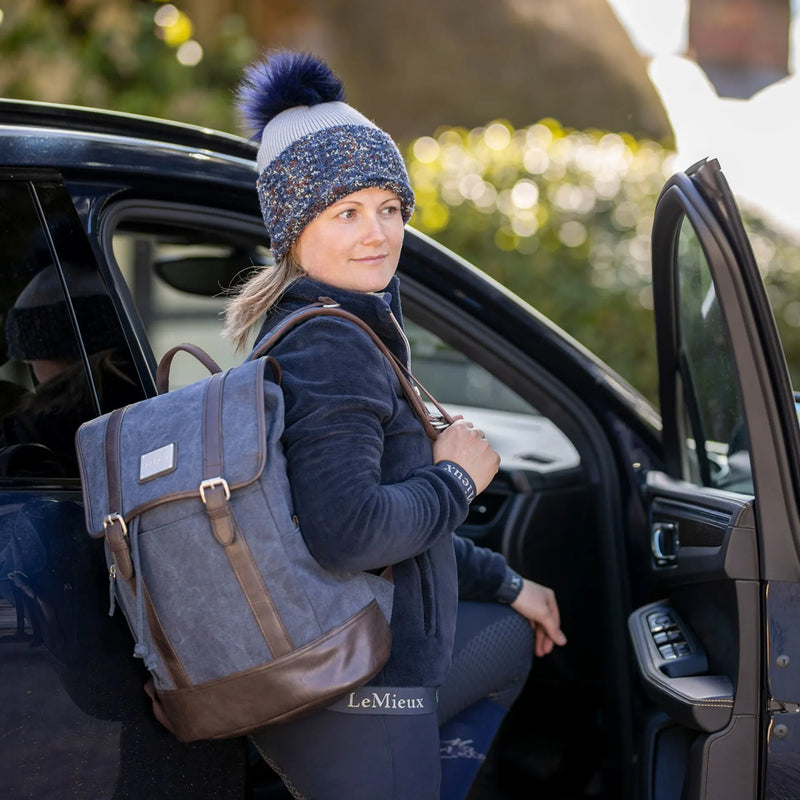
115,519
211,483
116,533
216,494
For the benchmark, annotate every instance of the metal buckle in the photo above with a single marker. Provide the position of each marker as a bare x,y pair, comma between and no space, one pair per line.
438,422
115,519
210,483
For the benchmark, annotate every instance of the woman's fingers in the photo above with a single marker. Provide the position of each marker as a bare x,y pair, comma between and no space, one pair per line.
467,446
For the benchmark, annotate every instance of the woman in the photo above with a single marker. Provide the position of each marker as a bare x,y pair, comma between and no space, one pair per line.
368,487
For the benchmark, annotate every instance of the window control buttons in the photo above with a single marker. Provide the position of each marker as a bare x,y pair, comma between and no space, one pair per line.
679,652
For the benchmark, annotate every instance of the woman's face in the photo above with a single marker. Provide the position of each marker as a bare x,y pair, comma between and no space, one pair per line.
355,243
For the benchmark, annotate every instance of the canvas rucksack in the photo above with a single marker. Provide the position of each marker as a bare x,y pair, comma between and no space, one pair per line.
238,624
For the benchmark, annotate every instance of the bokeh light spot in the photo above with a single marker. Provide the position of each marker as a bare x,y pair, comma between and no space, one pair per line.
166,15
190,53
497,136
791,314
426,149
175,27
572,233
525,194
435,217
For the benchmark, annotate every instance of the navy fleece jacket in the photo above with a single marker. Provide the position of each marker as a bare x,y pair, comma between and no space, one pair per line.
363,483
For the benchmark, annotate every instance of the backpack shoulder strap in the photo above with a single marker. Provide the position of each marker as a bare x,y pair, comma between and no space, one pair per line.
411,387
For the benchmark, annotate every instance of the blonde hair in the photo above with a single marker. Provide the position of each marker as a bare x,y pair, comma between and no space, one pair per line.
258,295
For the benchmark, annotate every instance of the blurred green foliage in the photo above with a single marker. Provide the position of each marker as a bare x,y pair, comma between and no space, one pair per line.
112,54
563,218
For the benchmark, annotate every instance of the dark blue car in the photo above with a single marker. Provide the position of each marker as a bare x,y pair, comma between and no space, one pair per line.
672,540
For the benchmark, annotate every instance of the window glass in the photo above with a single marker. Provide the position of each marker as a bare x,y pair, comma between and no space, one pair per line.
452,378
179,275
46,392
717,450
521,435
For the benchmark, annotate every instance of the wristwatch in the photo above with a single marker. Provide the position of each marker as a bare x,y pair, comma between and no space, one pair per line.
510,587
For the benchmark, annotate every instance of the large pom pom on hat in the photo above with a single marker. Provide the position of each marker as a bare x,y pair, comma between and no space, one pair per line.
284,81
314,148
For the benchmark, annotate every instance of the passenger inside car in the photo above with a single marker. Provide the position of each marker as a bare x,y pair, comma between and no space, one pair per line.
37,431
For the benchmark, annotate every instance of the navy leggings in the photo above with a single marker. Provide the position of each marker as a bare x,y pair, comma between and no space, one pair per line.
333,755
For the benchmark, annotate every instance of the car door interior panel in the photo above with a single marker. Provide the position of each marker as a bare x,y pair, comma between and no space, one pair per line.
696,646
673,666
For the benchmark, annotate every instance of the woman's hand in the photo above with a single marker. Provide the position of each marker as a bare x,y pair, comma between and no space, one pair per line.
466,446
538,604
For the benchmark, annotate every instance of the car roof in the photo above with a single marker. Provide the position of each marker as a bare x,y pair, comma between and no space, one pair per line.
60,117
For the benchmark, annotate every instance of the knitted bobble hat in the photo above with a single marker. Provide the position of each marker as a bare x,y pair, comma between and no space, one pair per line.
38,326
314,149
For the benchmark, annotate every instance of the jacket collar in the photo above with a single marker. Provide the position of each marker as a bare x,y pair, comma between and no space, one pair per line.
375,308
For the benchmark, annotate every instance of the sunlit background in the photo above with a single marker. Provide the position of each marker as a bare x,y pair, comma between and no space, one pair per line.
538,133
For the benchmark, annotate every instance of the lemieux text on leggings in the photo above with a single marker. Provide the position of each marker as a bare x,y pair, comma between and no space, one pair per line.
387,700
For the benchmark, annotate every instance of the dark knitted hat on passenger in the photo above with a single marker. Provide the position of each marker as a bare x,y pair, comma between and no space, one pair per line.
314,147
38,326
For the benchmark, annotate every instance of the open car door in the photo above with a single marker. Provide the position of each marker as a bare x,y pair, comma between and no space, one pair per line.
718,647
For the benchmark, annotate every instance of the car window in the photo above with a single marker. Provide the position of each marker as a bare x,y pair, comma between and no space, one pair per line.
180,270
179,275
716,450
454,379
524,438
57,320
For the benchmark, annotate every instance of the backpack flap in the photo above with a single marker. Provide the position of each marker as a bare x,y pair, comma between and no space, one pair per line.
170,447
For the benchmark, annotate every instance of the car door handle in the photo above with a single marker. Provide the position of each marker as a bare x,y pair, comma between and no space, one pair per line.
664,543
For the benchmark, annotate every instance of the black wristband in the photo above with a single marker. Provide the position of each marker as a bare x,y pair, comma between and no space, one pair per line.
510,587
466,482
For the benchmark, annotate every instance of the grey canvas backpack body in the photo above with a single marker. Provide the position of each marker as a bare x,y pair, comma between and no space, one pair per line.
237,623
